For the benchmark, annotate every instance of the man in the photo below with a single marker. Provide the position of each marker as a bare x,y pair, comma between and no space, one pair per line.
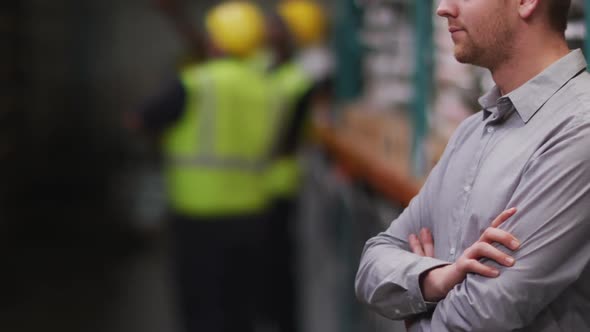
215,133
528,149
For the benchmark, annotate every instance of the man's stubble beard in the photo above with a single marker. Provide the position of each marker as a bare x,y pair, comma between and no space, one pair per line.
493,47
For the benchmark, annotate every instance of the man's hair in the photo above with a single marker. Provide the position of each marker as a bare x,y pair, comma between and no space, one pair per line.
558,13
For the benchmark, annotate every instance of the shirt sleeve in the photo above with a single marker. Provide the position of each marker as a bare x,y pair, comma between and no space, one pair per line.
388,275
552,224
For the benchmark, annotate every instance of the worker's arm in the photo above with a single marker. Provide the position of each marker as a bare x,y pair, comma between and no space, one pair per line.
160,111
553,223
389,273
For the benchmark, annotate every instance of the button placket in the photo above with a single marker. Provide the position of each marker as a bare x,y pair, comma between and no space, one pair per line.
466,191
452,253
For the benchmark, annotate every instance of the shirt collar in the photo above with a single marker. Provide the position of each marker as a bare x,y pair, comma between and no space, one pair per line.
531,96
489,101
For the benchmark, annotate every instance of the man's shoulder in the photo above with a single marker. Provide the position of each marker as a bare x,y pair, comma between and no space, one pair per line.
580,89
571,105
573,118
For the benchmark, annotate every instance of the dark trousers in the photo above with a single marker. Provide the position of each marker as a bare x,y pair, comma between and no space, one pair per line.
281,276
217,268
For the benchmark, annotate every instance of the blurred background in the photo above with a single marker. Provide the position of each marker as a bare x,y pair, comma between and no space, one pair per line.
83,203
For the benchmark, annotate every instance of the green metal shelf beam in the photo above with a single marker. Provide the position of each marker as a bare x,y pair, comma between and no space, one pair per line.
423,82
348,48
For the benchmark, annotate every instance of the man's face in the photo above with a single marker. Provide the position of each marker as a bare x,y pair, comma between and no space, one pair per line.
482,30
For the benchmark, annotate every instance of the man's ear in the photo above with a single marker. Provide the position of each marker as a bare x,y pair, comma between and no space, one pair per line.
526,8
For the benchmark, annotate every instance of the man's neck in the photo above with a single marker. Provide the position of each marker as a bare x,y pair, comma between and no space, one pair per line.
530,58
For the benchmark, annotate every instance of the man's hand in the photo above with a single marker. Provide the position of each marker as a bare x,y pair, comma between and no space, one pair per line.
424,246
437,282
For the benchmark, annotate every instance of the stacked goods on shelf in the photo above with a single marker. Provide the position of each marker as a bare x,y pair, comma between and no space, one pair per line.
385,134
374,145
389,59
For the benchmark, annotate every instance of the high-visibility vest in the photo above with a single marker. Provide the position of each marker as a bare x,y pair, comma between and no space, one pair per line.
217,153
290,83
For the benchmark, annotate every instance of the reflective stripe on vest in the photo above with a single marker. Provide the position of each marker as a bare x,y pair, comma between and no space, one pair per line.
218,163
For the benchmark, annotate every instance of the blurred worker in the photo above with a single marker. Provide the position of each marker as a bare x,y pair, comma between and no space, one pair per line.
296,26
215,133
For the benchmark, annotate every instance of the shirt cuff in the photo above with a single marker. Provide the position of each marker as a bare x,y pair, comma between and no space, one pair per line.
414,293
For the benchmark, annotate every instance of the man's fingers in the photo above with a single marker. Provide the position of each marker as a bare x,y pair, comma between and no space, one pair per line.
422,245
427,242
491,235
474,266
503,217
486,250
415,245
469,261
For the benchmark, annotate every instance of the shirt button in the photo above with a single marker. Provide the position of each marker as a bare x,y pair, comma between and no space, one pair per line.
490,130
397,312
467,189
452,251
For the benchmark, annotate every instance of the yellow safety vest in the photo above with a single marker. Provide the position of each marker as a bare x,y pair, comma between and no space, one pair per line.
217,153
290,83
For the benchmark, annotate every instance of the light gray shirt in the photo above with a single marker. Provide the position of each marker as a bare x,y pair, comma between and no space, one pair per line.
529,149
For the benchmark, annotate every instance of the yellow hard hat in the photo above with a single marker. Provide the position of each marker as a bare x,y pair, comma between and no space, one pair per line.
305,19
236,27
